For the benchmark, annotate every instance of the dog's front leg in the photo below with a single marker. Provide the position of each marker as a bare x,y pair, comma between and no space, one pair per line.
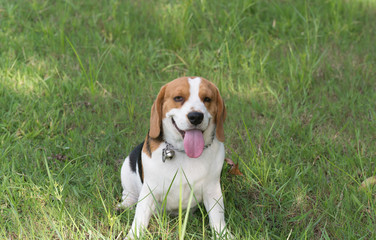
144,210
213,201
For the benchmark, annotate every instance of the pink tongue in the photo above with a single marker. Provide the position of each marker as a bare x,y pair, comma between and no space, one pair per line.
193,143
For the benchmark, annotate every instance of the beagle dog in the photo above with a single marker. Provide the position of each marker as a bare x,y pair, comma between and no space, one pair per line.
182,153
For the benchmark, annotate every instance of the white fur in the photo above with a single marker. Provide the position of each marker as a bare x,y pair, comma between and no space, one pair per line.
201,174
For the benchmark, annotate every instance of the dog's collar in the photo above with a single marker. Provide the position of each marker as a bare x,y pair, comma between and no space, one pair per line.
168,152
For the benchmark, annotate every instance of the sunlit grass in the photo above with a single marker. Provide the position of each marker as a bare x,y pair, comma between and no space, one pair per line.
29,78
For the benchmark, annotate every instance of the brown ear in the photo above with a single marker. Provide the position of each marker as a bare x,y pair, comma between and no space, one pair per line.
220,118
156,115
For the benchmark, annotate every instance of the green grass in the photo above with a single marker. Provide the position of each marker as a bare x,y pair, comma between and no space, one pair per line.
77,80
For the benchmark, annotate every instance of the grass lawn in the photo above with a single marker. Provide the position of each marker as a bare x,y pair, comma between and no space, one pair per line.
78,78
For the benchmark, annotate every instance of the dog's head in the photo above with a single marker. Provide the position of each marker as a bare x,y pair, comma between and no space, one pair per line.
187,113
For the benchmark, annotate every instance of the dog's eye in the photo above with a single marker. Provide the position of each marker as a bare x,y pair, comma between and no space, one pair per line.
178,99
207,99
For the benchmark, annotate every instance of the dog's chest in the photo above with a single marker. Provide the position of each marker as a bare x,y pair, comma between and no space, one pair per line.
184,184
176,178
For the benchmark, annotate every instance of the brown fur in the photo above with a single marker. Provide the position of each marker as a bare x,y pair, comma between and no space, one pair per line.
156,114
178,87
165,102
216,106
151,144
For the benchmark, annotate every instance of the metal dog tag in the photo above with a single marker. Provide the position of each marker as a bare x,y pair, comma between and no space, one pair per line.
167,154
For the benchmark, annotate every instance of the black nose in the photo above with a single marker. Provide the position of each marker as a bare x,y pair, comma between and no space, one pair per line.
195,117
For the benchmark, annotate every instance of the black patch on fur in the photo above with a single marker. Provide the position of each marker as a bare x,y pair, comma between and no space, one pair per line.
148,145
135,160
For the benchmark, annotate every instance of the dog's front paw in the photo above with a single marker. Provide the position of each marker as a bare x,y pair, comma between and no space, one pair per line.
225,234
121,206
130,236
134,234
126,204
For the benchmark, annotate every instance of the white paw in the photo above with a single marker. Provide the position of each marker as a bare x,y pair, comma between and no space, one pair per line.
132,235
225,234
120,206
127,203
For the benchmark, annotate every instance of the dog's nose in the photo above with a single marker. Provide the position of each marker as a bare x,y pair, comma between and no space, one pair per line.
195,117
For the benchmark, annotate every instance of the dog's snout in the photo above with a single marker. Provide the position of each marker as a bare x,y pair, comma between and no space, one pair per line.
195,117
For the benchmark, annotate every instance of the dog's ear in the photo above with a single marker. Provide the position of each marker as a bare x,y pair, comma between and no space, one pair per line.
220,118
156,115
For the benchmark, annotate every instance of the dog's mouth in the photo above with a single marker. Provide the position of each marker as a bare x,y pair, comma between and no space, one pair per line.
182,133
193,141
